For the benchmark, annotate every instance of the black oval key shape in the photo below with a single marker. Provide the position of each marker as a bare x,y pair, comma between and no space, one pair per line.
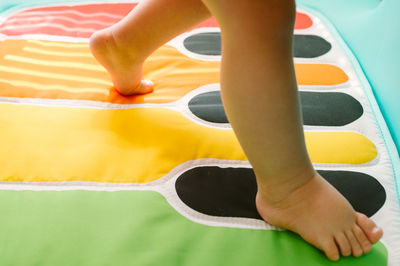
304,46
231,192
318,108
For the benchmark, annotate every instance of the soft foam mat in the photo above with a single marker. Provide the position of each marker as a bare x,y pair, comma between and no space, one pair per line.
90,177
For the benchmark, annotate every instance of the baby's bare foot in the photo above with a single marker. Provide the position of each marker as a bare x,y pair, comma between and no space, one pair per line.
124,67
322,216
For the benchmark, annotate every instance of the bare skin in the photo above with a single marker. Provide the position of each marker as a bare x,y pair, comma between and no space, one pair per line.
125,70
312,203
123,47
256,46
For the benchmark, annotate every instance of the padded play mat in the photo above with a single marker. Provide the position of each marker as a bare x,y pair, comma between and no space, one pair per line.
89,177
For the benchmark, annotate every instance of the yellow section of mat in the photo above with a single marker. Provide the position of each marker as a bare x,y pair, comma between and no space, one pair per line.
56,144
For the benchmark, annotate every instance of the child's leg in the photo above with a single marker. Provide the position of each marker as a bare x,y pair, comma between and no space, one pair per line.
122,48
260,95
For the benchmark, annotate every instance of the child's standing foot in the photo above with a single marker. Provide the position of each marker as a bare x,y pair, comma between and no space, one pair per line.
312,210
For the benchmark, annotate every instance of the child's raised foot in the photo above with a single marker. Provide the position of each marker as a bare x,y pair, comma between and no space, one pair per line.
121,63
322,216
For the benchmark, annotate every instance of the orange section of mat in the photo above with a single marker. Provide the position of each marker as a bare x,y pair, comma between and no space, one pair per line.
61,70
320,74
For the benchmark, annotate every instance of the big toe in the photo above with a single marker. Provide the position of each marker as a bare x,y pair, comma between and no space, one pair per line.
145,86
373,232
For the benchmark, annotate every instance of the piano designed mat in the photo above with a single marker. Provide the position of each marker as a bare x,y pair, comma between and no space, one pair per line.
90,177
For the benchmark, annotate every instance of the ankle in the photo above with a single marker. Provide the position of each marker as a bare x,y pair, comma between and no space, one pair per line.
274,191
127,48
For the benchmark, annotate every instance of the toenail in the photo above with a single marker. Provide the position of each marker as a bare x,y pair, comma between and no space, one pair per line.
148,82
367,249
376,230
358,253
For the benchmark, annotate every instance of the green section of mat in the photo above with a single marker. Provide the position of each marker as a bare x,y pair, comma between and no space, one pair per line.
117,228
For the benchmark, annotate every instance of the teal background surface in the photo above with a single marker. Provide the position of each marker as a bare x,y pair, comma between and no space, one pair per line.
371,29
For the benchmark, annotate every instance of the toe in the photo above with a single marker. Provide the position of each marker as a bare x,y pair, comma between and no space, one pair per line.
362,239
343,243
330,249
373,232
145,86
355,246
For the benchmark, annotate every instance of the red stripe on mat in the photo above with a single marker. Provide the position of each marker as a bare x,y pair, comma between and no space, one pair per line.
53,21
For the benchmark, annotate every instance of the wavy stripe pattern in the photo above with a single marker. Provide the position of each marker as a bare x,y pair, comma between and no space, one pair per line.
83,20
